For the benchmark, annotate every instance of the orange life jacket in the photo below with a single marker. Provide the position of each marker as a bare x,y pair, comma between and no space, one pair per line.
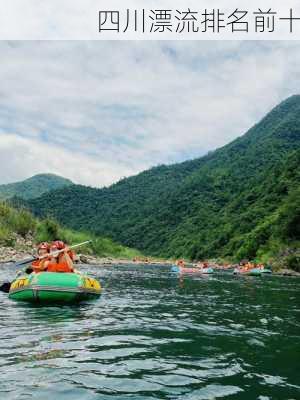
59,267
37,264
59,264
52,266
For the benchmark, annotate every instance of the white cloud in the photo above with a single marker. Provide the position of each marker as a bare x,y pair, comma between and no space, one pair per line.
111,109
23,157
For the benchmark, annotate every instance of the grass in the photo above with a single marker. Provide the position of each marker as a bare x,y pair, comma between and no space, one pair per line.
15,222
48,230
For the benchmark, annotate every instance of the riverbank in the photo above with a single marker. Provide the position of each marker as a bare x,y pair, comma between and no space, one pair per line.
94,260
20,231
24,247
91,260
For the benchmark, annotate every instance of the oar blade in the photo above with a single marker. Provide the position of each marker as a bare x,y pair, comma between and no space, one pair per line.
5,287
29,260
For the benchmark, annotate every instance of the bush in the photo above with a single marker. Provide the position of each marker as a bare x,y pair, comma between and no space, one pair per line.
47,231
6,238
5,211
22,222
289,217
293,262
15,221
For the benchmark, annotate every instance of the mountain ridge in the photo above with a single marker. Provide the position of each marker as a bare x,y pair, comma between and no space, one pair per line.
33,187
187,209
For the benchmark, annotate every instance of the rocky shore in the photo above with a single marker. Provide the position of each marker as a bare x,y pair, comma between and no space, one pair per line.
24,248
93,260
20,249
286,272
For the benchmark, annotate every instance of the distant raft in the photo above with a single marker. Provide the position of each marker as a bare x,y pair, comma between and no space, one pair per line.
252,271
191,270
52,287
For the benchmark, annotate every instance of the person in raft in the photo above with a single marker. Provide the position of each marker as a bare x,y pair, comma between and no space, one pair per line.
180,263
42,251
61,262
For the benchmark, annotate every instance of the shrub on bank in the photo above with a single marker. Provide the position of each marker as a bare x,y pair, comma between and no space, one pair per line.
21,222
48,230
293,262
14,222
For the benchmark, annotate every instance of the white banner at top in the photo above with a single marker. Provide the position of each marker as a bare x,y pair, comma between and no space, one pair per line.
149,20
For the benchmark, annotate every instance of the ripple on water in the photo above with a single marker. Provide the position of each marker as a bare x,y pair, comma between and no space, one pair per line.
211,392
154,336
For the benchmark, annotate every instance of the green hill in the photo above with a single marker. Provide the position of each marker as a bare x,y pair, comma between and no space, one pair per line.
18,223
236,202
33,187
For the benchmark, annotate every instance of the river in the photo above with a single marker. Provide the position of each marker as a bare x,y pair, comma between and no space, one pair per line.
152,335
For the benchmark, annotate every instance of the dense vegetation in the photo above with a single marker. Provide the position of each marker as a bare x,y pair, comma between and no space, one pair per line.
33,187
21,222
240,201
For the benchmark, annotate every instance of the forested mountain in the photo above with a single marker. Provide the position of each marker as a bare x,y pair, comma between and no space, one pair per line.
239,201
34,186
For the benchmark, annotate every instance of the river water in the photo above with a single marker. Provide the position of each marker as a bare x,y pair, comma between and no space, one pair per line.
152,335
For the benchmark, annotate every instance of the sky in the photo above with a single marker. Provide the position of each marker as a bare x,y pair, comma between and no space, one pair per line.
95,112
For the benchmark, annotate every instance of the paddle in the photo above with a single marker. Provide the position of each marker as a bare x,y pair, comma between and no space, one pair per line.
6,285
54,254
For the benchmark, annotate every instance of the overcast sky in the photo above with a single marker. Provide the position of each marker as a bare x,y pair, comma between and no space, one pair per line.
95,112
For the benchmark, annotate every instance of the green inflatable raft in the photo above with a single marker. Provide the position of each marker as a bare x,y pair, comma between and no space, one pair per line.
54,287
